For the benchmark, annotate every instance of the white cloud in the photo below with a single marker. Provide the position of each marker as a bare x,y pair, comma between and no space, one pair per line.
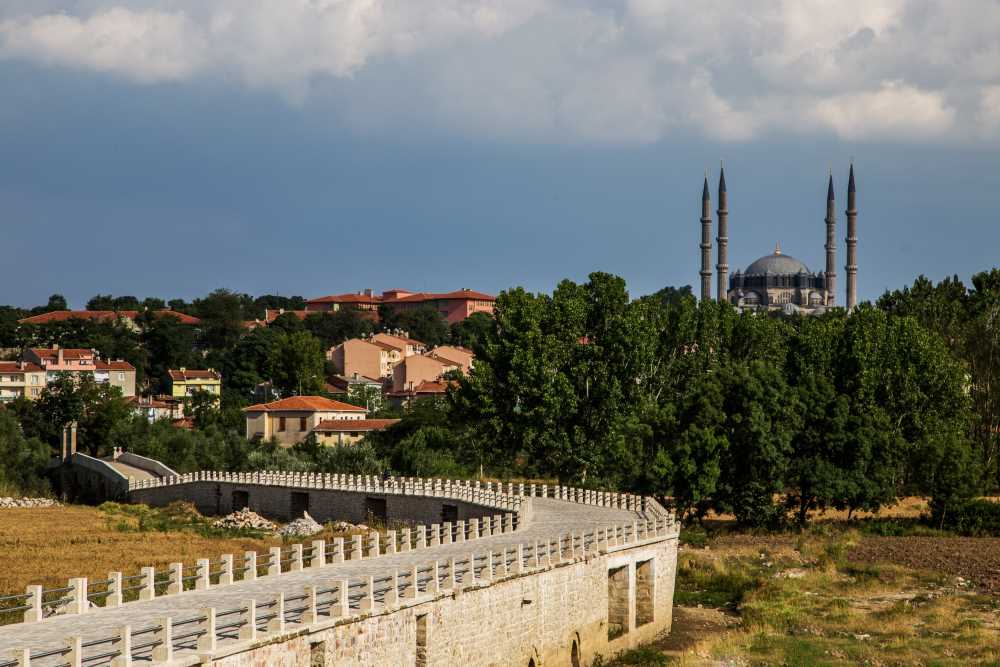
560,70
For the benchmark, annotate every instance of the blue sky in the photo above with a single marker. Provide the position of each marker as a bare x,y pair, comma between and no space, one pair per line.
166,147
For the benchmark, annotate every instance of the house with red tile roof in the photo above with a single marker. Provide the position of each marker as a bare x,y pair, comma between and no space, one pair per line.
364,357
290,420
453,306
337,432
127,317
77,361
425,389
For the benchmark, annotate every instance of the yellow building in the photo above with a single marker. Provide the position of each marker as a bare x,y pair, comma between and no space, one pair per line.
291,420
184,383
20,379
335,432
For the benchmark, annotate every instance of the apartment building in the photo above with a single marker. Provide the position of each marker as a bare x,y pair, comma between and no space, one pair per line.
77,361
364,357
453,306
20,379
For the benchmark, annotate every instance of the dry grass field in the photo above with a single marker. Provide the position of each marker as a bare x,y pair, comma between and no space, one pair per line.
48,546
836,594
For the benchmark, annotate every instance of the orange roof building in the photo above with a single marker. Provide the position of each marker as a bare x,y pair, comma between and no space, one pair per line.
290,420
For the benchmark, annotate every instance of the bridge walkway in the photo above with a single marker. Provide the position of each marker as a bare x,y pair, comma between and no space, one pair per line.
552,518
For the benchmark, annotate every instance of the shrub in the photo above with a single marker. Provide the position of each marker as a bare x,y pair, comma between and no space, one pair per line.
972,517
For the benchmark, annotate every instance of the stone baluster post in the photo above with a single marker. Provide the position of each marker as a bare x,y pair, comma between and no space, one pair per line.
248,631
202,572
208,638
277,622
318,556
341,607
296,564
147,583
114,596
163,650
274,561
34,603
249,565
435,534
309,615
404,539
373,544
338,550
421,536
226,569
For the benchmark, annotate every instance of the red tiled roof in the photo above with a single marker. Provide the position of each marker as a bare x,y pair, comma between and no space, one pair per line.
185,423
304,404
15,367
340,425
445,296
113,365
188,374
271,314
403,339
68,353
346,298
425,387
103,316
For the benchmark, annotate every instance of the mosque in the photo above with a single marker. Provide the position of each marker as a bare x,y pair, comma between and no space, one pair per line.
779,281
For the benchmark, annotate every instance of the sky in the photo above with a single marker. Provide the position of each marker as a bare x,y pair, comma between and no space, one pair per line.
309,147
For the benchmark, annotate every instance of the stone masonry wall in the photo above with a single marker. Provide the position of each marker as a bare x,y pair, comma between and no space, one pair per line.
536,616
275,502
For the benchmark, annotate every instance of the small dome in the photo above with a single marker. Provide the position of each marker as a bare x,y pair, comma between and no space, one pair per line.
776,263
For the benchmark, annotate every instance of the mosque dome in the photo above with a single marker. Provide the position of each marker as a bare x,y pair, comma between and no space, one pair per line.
776,263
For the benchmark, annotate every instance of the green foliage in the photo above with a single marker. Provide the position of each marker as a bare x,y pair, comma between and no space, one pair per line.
971,517
424,323
295,364
24,459
334,328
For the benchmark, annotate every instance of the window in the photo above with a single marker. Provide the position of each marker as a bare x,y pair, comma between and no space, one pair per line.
281,423
34,379
121,377
302,423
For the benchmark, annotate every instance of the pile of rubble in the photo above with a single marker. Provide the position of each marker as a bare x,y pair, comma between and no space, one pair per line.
11,503
245,519
303,527
347,527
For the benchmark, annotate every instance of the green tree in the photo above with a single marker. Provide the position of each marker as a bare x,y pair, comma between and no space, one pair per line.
23,459
425,324
760,425
473,331
333,328
222,317
296,364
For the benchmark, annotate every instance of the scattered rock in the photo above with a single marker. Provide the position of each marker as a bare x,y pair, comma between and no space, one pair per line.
347,527
245,519
793,573
302,527
12,503
862,638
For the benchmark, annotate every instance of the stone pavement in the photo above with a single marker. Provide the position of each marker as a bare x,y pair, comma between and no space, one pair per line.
552,518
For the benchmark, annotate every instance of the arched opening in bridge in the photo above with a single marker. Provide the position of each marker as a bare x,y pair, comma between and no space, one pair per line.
531,662
574,655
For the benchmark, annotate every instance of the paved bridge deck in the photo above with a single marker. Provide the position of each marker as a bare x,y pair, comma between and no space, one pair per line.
552,518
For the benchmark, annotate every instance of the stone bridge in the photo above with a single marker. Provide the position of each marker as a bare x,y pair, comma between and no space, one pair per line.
484,574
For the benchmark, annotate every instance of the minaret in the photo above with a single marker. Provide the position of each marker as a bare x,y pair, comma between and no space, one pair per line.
831,245
852,243
722,268
706,243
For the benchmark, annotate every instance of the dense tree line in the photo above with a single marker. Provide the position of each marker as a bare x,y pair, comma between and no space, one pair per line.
767,417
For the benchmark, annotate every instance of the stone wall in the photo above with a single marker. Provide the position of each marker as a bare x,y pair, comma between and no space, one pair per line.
286,503
536,616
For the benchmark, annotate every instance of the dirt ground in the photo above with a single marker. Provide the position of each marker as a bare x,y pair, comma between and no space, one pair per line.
974,558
